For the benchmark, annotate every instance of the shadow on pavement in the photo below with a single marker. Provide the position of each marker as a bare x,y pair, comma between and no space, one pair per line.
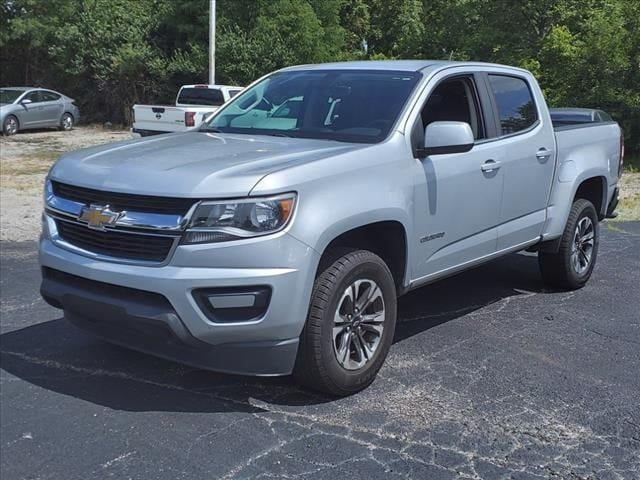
56,356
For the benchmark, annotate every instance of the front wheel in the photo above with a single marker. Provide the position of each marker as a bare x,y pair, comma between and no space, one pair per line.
66,122
350,325
572,265
10,126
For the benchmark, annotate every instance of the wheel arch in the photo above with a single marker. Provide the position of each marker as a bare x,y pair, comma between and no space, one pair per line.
385,238
593,189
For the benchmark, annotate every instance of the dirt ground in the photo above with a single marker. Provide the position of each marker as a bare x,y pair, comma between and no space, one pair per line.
26,158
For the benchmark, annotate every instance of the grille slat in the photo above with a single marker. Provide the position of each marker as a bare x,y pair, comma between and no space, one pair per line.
124,201
112,243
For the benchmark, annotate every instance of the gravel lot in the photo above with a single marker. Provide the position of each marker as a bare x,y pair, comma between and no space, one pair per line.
25,159
490,376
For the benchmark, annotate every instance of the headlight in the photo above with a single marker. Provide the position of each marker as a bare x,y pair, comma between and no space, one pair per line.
220,221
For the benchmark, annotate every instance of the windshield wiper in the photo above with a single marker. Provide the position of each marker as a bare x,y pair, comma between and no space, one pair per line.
210,130
278,134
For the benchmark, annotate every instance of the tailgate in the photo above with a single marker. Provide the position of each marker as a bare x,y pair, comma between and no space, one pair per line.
159,118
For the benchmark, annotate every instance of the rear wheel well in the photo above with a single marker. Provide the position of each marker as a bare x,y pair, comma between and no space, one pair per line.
593,189
387,239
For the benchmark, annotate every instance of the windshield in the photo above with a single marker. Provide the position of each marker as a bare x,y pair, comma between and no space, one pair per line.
343,105
9,96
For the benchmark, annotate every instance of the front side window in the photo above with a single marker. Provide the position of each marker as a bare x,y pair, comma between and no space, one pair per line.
200,96
454,100
514,100
34,96
344,105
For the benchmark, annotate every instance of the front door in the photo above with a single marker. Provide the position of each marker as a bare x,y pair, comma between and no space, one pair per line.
32,114
458,211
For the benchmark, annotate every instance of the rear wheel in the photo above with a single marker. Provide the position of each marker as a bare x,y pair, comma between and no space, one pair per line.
66,122
10,125
572,265
350,325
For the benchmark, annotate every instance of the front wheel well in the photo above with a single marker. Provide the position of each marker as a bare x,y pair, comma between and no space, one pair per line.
593,189
11,115
386,239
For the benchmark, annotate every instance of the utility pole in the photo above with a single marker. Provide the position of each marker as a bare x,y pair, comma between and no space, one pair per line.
212,42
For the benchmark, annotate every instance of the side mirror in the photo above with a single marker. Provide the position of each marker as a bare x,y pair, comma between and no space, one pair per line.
25,101
446,137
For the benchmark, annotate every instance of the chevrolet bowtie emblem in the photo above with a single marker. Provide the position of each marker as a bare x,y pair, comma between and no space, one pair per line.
98,217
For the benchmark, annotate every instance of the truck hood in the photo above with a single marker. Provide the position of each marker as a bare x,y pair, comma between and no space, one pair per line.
191,164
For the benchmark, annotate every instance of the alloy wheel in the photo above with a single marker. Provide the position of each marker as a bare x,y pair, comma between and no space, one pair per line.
583,242
358,324
11,126
67,122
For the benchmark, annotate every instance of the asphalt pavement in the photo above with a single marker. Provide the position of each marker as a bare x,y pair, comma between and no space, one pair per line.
490,376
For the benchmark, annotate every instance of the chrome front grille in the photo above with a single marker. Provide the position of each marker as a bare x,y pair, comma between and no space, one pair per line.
146,230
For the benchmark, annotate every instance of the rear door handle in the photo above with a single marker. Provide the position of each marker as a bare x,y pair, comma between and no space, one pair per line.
543,154
490,165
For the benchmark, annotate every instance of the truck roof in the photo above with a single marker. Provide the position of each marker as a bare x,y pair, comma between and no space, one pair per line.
398,65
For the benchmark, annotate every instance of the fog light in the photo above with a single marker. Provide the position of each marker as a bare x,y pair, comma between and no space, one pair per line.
233,304
232,301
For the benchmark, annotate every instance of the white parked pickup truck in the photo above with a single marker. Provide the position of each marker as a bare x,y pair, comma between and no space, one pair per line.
194,103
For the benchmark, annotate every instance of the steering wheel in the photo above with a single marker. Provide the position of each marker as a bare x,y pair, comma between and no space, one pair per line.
257,102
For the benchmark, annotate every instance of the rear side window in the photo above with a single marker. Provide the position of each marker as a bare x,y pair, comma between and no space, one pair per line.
201,96
233,93
49,96
514,100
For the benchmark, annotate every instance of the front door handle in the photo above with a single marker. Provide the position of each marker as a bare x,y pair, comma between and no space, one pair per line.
543,154
490,165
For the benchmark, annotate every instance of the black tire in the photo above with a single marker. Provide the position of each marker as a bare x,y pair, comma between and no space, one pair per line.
317,365
66,122
558,269
10,125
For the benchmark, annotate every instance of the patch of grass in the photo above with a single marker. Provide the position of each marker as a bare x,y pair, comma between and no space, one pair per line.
629,209
632,163
29,164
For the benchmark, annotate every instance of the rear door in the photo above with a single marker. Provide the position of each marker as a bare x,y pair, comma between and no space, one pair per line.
529,161
52,108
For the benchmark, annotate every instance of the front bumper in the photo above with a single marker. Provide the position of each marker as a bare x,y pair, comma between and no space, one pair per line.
153,309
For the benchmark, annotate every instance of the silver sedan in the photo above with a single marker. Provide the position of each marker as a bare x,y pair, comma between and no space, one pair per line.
23,108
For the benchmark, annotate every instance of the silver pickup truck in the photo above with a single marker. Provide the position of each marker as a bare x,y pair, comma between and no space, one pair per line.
277,238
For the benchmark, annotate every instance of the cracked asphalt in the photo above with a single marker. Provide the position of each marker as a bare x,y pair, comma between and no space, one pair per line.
490,376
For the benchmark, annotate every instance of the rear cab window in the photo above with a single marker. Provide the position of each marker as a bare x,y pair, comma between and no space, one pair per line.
514,101
200,96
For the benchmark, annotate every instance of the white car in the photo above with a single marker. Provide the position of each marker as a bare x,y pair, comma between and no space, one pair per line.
194,103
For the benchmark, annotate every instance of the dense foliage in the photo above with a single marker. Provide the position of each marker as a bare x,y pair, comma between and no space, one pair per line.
109,54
